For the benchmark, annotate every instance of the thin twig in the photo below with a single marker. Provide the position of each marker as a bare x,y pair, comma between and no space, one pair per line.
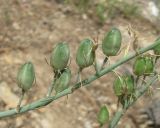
20,101
50,89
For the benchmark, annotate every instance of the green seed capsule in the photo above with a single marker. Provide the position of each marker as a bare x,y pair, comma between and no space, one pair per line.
118,86
143,65
157,48
139,66
112,42
124,85
103,115
26,76
129,82
60,56
149,65
86,53
62,82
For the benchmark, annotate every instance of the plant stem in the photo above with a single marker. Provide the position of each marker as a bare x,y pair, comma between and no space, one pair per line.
50,89
139,93
20,101
45,101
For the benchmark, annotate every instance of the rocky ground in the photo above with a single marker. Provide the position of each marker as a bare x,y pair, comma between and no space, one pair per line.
28,32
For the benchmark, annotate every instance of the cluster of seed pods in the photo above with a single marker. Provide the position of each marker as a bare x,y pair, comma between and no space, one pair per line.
59,62
59,59
85,57
124,86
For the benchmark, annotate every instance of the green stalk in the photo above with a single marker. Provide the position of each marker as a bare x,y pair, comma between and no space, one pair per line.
50,89
20,101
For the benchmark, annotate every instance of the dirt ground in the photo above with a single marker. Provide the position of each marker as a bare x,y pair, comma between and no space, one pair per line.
28,32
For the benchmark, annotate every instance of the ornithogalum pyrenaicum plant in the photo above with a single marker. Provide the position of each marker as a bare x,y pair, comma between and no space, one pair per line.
25,78
63,81
112,42
124,88
103,116
143,65
60,56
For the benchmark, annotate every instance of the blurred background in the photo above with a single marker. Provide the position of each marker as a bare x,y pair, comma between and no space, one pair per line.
29,29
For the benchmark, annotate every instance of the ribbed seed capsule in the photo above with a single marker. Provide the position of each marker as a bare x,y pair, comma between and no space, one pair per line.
157,48
60,56
124,85
62,82
86,53
143,66
149,65
112,42
139,66
26,76
118,86
103,115
129,82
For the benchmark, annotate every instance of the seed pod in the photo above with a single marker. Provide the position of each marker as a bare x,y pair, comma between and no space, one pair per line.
129,84
124,88
86,53
143,66
157,48
124,85
112,42
118,86
101,12
62,82
26,76
149,65
60,56
103,115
